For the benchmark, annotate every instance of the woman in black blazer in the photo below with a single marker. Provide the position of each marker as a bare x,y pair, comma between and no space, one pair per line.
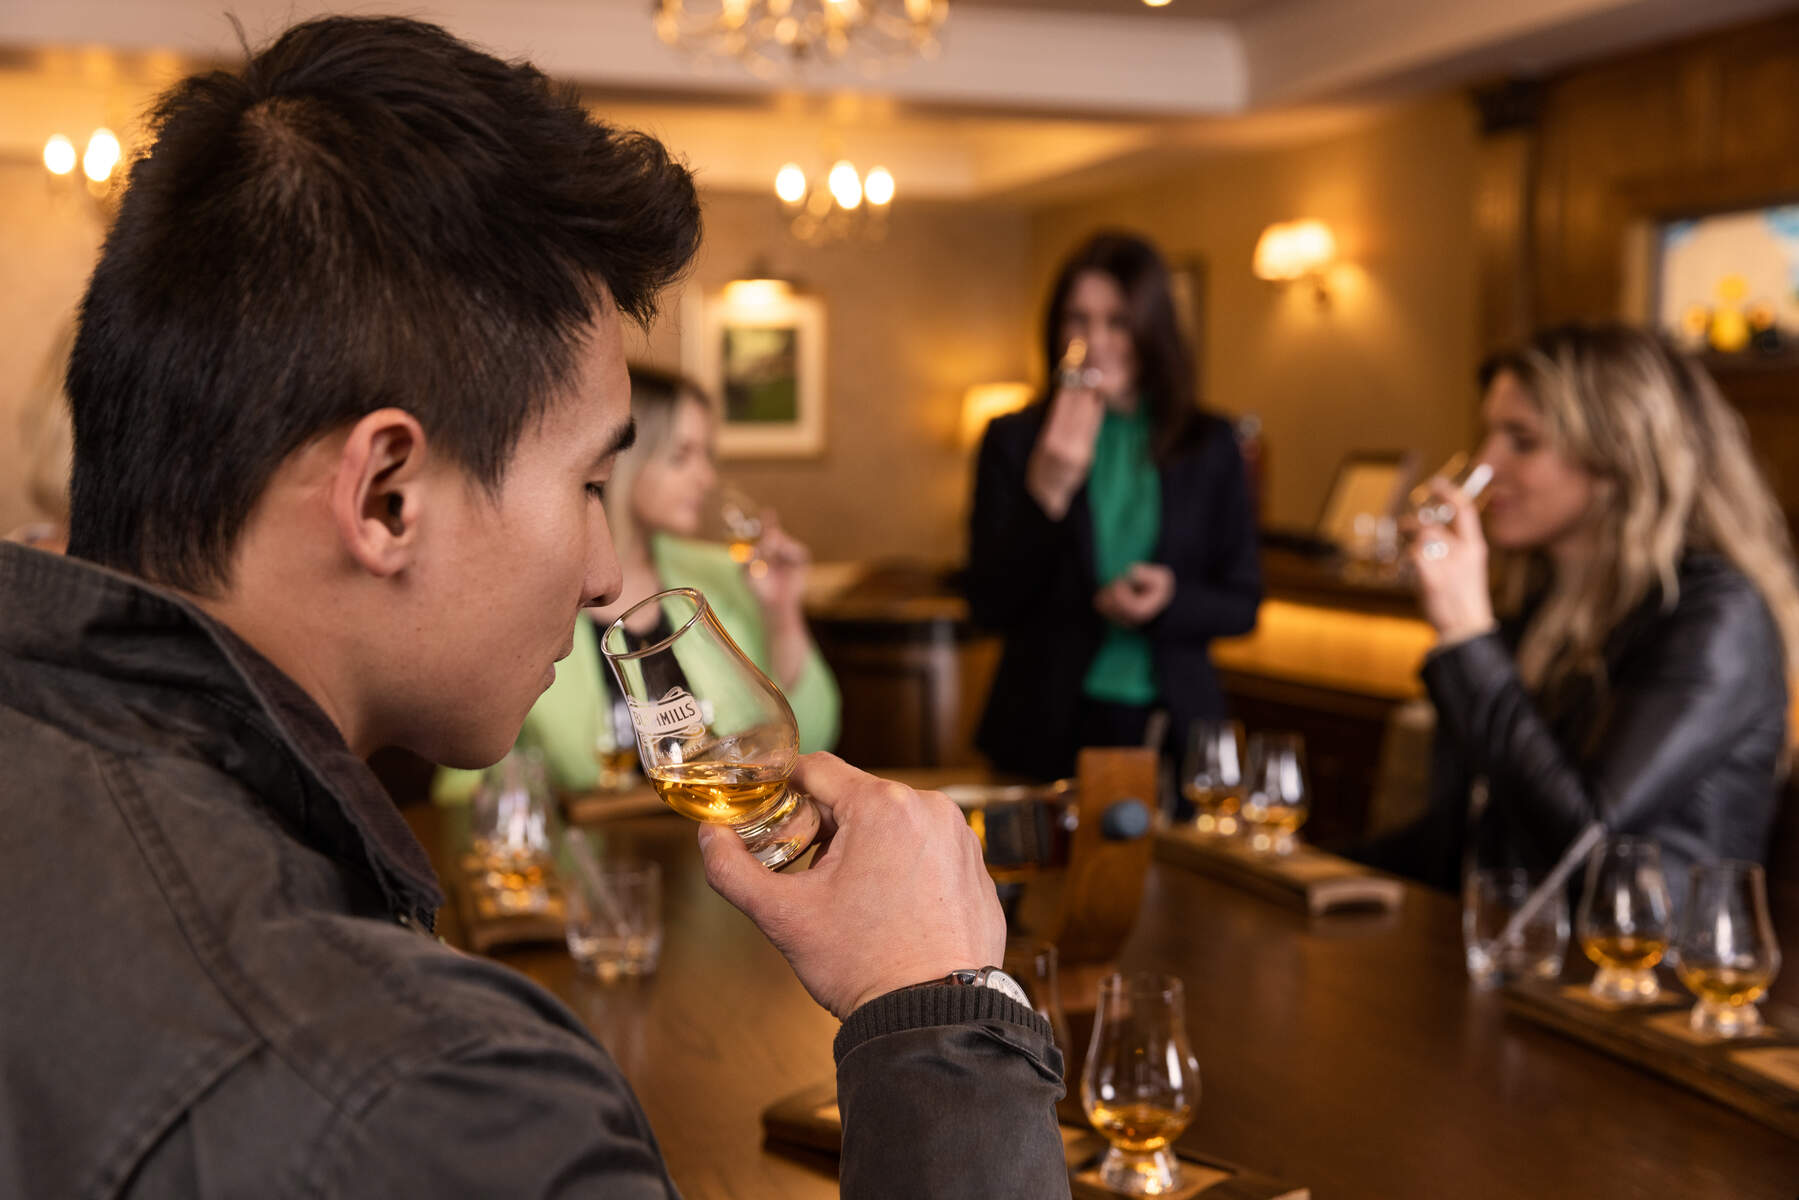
1112,534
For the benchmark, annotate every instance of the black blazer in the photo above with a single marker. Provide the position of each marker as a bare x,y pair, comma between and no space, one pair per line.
1684,745
1032,580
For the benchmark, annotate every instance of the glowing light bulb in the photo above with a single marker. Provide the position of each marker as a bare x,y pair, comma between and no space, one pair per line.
790,184
59,155
878,187
102,155
846,185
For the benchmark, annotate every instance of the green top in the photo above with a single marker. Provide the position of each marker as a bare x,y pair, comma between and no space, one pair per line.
566,726
1124,493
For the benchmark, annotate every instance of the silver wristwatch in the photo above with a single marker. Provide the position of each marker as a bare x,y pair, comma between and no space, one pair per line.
990,977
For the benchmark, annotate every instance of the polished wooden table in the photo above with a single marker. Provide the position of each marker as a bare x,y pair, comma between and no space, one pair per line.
1346,1053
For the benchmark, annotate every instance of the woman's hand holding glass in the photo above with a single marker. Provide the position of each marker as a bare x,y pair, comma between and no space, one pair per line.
1064,452
777,572
775,566
1449,563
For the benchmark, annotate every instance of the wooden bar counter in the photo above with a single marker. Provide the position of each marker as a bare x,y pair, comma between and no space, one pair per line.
1335,652
1347,1054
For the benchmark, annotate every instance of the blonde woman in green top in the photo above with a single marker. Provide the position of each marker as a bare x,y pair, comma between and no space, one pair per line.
655,504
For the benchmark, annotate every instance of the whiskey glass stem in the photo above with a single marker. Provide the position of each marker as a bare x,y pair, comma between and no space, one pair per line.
1725,1020
1139,1172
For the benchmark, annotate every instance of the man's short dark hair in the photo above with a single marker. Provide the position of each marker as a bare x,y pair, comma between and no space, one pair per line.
370,213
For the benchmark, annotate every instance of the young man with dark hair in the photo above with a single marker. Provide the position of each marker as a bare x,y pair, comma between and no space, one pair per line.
348,382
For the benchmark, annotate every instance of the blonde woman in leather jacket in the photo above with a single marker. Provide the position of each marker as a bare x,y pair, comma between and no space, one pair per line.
1627,657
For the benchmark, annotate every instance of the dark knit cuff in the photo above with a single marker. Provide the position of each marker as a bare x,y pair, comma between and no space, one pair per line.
932,1004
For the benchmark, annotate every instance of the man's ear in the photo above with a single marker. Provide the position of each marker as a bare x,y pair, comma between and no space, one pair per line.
376,493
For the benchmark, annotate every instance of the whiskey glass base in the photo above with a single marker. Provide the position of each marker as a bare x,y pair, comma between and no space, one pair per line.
1725,1020
1264,841
782,835
1209,825
1140,1173
1621,986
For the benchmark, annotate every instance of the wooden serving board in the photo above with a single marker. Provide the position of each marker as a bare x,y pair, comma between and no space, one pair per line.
1202,1178
591,808
483,928
810,1118
1758,1076
1307,878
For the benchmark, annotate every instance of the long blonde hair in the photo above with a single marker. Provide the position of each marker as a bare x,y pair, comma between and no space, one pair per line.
656,396
1675,476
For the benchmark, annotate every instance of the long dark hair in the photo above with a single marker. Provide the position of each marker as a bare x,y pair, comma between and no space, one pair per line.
1165,373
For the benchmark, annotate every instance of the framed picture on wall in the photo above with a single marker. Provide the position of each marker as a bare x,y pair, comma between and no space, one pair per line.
758,348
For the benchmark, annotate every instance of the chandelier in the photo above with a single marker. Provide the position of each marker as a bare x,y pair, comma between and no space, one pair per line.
765,35
847,205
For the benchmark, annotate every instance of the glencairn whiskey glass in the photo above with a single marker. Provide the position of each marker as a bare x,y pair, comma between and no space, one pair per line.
714,734
1212,780
1276,800
615,744
512,826
741,518
1727,952
1141,1081
1626,921
1471,477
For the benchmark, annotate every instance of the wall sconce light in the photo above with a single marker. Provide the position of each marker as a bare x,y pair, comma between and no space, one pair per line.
758,292
1291,250
985,401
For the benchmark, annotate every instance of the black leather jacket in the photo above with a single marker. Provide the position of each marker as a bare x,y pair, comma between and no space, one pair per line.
1031,579
216,976
1684,745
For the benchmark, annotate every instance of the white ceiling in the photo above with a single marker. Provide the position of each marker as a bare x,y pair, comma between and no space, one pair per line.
1203,9
1029,97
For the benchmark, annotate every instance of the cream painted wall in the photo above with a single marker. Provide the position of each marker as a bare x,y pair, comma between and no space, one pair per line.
951,298
1389,364
911,322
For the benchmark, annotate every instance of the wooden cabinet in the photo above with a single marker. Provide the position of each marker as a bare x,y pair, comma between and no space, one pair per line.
914,673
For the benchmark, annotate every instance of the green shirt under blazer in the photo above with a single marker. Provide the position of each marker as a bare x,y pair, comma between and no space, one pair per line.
565,725
1124,494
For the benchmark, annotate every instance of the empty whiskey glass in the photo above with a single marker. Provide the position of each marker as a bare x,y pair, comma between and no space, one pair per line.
1490,898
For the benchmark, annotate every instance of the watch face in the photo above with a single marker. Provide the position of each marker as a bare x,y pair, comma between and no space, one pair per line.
1003,983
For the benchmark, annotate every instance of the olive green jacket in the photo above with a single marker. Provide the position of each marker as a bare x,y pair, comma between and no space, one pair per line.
565,726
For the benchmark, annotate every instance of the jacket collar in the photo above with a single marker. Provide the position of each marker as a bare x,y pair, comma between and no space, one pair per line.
126,664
